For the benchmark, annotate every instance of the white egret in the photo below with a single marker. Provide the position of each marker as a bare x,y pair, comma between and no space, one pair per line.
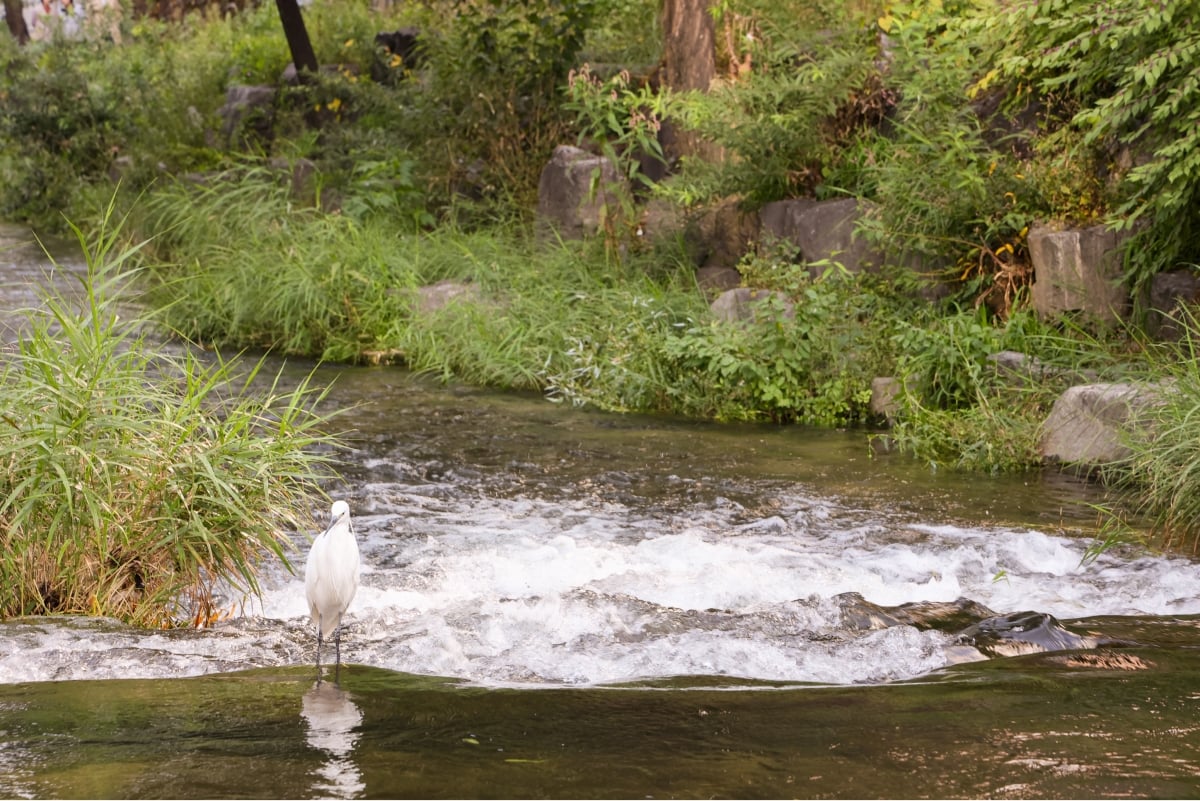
331,579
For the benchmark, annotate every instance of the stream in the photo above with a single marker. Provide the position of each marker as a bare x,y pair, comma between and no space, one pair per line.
557,602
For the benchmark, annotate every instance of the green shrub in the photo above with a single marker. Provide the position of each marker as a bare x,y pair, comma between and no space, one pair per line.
945,194
811,361
1131,68
957,408
784,123
133,481
945,361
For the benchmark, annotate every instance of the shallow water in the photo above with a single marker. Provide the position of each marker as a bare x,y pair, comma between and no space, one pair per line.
1027,727
558,602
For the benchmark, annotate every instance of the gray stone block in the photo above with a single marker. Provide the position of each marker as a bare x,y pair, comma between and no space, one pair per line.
1077,270
576,191
820,230
1088,423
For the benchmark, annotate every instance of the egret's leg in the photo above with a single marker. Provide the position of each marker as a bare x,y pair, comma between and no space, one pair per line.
337,645
318,651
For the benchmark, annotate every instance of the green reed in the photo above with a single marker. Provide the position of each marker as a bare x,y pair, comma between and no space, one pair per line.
135,482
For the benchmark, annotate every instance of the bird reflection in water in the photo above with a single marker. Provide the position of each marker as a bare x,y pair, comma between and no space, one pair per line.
333,720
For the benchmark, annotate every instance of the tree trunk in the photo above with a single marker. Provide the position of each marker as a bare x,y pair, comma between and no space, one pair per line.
689,63
297,37
16,20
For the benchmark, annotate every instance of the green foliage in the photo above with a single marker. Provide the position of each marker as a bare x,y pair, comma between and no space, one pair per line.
624,32
486,117
528,45
1132,68
958,408
322,284
945,194
251,269
55,126
945,361
1160,479
783,123
808,359
999,434
623,122
133,481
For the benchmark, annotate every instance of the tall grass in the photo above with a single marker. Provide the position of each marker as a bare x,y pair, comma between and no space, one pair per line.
134,481
1160,480
240,266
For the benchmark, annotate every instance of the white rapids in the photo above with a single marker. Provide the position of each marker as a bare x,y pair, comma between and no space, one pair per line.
522,591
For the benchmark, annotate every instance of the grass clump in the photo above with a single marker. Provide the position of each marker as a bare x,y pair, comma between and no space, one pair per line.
576,320
960,408
134,482
1160,479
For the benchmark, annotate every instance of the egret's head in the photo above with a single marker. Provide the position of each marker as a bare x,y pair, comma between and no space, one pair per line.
339,511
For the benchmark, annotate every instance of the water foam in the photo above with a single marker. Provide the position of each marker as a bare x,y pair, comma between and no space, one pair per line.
529,591
526,591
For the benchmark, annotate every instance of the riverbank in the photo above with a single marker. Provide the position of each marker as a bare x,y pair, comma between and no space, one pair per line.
317,219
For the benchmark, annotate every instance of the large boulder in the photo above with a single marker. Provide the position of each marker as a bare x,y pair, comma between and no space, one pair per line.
820,230
722,234
1172,295
1077,270
248,116
715,280
886,392
576,191
744,304
1088,423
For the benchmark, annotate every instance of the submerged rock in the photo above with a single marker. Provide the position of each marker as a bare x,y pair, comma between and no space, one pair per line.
1024,633
950,616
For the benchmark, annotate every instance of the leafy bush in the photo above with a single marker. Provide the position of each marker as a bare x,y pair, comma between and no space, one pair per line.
810,361
485,117
623,122
784,123
960,409
1131,66
945,194
945,361
56,128
133,481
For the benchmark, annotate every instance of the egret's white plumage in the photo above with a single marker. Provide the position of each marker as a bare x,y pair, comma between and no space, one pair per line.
331,577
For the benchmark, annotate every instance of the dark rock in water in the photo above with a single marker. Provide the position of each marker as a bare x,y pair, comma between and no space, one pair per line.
1024,633
859,613
944,615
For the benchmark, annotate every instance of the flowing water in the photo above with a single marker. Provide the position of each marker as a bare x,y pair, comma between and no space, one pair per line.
562,603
